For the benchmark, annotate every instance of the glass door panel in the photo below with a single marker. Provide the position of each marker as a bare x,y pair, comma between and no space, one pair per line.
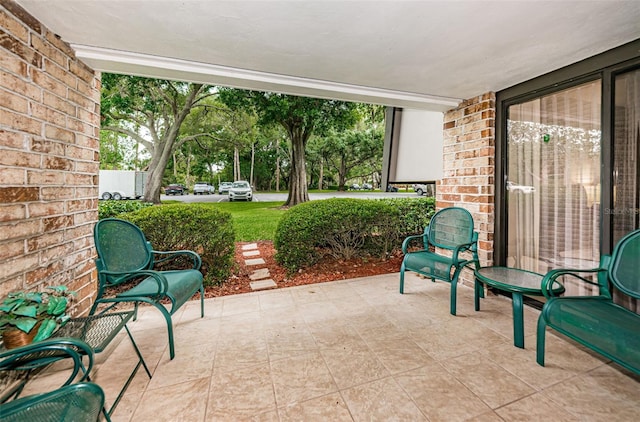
553,180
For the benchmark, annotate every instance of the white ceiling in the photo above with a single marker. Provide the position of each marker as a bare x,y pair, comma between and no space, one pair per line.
417,54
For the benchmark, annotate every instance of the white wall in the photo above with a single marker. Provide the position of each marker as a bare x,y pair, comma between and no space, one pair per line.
419,150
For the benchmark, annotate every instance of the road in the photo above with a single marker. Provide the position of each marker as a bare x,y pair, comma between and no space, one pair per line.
281,197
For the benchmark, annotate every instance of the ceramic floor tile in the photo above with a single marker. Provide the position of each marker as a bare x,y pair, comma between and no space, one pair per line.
308,294
288,342
399,355
241,394
489,381
439,395
530,409
193,362
301,378
235,354
239,304
353,363
276,299
181,402
381,400
326,408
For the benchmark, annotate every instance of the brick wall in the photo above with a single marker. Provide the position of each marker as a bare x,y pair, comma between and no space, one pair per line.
49,131
469,168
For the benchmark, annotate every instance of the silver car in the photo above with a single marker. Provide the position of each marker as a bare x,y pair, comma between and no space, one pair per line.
240,191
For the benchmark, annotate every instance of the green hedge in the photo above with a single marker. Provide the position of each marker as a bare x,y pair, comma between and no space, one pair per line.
111,208
347,228
197,227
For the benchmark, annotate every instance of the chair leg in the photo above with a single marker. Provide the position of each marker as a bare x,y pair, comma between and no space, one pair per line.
402,277
454,289
540,340
167,317
201,301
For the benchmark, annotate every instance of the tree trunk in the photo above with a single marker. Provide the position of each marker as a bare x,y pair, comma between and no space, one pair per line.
298,176
342,174
278,169
321,174
236,164
253,159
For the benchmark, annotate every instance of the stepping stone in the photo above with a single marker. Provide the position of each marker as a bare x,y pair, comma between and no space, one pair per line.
249,246
251,253
259,274
263,284
255,261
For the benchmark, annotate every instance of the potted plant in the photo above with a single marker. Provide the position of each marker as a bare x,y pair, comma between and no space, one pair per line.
33,316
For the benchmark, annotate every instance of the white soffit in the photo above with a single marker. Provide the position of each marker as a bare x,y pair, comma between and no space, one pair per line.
167,68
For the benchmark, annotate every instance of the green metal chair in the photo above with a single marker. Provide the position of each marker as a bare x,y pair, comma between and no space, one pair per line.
74,400
450,229
125,255
77,402
596,321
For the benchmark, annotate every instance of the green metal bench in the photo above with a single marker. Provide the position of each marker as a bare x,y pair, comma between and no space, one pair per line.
596,321
450,229
125,255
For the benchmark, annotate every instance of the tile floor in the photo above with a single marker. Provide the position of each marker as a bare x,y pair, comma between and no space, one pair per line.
357,350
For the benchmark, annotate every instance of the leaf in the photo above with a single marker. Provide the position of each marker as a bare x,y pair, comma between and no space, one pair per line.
46,329
25,324
34,297
26,310
57,305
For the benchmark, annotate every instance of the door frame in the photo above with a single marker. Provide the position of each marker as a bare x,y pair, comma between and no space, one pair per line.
605,67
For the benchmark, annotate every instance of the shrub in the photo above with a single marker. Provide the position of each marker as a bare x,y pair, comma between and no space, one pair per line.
347,228
197,227
107,209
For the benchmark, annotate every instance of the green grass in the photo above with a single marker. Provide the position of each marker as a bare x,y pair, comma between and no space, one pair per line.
253,221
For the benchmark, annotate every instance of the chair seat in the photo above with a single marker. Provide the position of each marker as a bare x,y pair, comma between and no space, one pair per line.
182,285
429,264
599,323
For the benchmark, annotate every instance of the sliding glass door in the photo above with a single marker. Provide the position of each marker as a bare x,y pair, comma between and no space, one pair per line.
553,180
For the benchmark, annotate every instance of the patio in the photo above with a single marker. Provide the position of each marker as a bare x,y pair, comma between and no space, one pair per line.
358,350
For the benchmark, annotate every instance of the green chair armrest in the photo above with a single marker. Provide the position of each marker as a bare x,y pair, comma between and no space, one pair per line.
407,240
163,285
550,279
169,255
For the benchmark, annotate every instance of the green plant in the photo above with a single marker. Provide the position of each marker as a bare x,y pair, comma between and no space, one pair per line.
346,228
108,209
24,310
197,227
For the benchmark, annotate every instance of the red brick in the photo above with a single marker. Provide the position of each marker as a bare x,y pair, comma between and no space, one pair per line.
44,241
45,178
14,27
48,83
58,134
55,40
13,102
57,71
19,86
11,250
55,223
42,273
82,71
20,49
20,122
58,163
48,114
19,229
12,212
22,15
18,265
13,65
53,193
19,194
51,53
12,176
47,147
58,103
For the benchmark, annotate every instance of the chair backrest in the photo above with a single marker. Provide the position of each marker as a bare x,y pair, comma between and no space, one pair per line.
451,227
121,246
623,269
77,402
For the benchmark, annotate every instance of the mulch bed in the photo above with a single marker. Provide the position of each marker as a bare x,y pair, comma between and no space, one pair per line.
328,270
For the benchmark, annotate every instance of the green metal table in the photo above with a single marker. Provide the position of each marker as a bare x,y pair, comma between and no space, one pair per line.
517,282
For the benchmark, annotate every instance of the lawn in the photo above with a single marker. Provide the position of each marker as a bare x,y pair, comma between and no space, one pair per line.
253,220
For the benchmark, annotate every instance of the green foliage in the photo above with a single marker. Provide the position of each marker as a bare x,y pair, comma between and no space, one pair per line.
107,209
197,227
413,213
345,228
23,310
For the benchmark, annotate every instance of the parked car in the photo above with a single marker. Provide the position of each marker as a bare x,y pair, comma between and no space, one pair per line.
354,186
224,187
176,189
240,190
420,189
367,186
202,188
391,188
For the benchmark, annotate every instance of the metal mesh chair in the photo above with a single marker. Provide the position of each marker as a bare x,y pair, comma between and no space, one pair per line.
450,229
77,402
125,256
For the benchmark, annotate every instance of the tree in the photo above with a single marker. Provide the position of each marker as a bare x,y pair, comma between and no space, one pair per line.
151,112
301,117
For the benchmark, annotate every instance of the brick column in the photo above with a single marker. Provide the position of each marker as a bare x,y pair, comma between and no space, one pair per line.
49,146
469,167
